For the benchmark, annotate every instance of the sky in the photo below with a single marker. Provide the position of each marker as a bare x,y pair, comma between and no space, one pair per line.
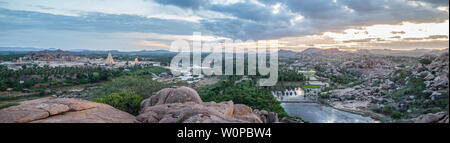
153,24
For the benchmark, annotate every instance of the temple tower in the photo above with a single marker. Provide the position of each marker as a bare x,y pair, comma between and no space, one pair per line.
110,60
136,61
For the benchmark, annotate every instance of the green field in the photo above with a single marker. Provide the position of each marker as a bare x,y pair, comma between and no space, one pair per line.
312,86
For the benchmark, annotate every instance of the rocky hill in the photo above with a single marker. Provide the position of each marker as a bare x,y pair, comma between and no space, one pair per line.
418,92
170,105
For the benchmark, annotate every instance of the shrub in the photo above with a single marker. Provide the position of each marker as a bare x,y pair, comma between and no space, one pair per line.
6,105
3,86
435,110
125,101
324,96
396,115
388,109
142,85
392,111
425,61
242,93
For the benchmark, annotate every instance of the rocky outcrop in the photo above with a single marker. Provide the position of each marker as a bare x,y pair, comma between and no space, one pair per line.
437,73
290,120
432,118
183,105
173,95
170,105
267,117
190,112
63,110
243,112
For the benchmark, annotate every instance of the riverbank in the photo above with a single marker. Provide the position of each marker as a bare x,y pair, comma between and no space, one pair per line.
367,113
319,113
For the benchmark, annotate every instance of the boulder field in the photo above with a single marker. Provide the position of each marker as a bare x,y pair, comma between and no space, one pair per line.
169,105
63,110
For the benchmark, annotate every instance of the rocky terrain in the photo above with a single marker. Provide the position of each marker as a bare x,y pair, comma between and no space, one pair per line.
63,110
380,84
432,118
184,105
170,105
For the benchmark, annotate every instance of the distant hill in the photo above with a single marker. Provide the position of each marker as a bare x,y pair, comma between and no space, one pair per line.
24,50
408,53
384,52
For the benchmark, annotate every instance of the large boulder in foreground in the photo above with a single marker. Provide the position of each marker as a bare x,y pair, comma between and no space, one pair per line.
63,110
183,105
172,95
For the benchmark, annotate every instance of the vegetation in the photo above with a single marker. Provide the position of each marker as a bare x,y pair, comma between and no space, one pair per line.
400,75
392,111
344,79
125,101
288,75
10,56
415,87
422,103
149,71
29,96
6,105
244,92
34,76
312,86
140,84
64,75
425,61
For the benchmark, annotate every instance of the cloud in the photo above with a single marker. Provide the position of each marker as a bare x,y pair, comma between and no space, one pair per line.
193,4
363,40
398,32
438,37
94,22
152,44
236,19
437,2
254,12
144,8
407,45
431,37
252,18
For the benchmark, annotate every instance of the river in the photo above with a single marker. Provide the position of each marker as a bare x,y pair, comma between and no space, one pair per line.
318,113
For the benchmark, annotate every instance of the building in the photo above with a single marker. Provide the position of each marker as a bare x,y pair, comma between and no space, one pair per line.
109,60
136,61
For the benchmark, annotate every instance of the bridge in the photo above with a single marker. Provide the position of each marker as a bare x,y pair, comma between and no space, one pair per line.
296,95
298,101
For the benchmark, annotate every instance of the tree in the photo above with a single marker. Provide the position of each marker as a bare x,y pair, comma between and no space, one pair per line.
425,61
3,85
125,101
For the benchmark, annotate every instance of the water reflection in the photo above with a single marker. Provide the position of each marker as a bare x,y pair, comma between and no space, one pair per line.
296,103
317,113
